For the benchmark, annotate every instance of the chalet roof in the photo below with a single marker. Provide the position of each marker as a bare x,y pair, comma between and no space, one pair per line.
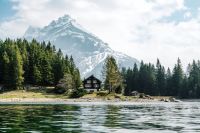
92,77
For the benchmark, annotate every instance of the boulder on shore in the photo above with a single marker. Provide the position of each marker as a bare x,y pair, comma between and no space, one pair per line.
172,99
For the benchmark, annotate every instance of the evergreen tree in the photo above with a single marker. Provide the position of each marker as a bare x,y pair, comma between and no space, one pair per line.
131,77
77,78
168,82
5,68
46,71
151,79
37,76
147,78
1,62
67,65
194,80
142,78
71,65
177,79
135,85
112,75
58,67
12,66
184,91
128,78
160,79
18,69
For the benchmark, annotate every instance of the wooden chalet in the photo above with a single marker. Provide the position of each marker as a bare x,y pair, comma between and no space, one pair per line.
92,84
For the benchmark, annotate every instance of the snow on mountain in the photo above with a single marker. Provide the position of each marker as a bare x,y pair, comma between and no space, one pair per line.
88,51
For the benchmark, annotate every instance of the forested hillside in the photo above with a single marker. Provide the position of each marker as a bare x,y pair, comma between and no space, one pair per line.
33,63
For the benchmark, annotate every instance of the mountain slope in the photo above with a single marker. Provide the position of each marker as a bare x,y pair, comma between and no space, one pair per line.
88,51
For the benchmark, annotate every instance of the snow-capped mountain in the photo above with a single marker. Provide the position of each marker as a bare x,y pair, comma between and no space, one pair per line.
88,51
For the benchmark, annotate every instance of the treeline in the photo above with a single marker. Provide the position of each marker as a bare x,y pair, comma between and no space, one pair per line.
33,63
156,80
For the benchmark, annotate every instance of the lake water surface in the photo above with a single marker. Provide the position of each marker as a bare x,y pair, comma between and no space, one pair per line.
181,117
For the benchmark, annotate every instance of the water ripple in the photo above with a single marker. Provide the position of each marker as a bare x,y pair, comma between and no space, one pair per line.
102,118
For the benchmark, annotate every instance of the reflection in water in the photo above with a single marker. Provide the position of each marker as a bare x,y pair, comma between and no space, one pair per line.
112,116
154,117
39,118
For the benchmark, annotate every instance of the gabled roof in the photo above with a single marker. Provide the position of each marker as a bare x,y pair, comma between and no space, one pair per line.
91,77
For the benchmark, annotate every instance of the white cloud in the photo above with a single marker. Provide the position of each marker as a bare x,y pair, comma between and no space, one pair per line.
130,26
12,28
187,14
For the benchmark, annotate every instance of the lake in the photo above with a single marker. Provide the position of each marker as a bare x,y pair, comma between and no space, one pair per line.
101,118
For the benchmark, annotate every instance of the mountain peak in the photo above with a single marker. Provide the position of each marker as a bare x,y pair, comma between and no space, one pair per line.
66,18
88,51
61,21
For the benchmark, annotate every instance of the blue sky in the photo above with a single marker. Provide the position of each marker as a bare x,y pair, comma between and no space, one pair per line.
6,10
192,8
192,4
147,29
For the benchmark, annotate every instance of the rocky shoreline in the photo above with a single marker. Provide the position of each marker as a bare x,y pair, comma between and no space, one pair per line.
59,100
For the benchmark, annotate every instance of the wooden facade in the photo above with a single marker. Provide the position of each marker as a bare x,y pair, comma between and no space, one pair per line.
92,83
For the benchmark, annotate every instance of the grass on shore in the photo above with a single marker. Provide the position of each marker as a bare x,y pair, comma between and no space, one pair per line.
112,96
29,94
44,93
36,93
106,96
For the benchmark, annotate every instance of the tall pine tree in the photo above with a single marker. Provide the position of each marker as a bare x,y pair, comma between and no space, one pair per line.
112,75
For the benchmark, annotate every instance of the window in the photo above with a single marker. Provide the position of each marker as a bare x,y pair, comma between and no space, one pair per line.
96,85
88,81
94,81
87,85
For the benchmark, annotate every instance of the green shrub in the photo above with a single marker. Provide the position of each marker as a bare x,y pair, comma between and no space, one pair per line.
90,92
59,90
102,93
141,95
65,84
78,93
